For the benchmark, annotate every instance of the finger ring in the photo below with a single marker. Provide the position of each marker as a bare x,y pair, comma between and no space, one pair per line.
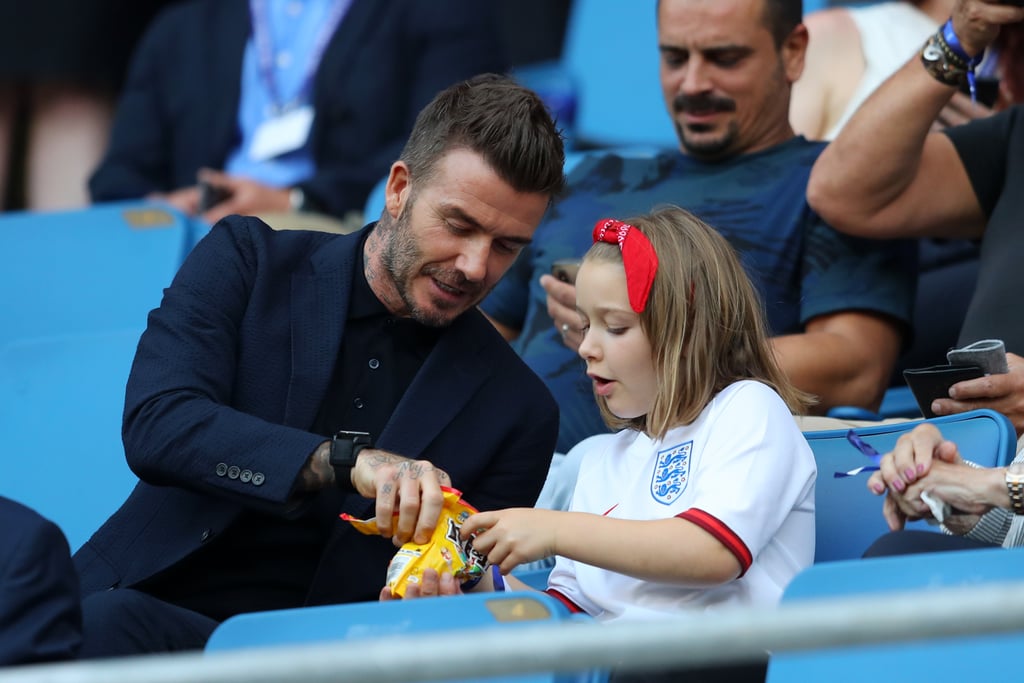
565,329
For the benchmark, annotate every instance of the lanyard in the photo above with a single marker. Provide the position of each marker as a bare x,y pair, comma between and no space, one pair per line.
265,48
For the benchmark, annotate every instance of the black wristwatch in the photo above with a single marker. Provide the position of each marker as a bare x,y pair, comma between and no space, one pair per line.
345,447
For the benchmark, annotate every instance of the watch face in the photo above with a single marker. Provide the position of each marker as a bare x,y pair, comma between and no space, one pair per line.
931,52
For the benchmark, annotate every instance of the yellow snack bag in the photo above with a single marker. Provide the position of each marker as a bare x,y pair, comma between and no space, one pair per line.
444,552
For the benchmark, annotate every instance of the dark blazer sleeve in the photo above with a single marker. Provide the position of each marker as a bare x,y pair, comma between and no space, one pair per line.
221,332
40,613
368,99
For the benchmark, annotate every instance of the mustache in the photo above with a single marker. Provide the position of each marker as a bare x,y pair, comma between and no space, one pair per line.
702,103
454,278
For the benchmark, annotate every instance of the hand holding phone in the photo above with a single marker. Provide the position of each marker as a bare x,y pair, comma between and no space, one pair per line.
928,384
566,269
211,195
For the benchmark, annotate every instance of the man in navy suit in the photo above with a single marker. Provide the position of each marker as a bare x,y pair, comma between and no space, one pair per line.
40,617
268,343
284,105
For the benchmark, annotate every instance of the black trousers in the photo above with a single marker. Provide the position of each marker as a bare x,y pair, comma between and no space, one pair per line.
913,542
122,622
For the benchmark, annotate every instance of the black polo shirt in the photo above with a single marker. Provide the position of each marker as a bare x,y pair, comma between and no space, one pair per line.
264,562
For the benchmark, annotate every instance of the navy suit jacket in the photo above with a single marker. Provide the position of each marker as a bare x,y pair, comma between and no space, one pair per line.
229,377
178,110
40,613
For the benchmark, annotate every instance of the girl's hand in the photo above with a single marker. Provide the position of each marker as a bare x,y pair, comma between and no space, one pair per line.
511,537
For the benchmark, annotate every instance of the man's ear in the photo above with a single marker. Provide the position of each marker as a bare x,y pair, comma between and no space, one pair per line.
793,51
396,191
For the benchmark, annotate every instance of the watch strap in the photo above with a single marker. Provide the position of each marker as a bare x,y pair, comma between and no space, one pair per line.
1015,489
345,448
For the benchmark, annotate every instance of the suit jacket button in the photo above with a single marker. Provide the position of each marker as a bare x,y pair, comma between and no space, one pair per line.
206,535
233,472
222,469
245,477
257,478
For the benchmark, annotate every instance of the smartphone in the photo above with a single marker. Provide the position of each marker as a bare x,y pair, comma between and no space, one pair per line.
986,89
928,384
211,195
565,269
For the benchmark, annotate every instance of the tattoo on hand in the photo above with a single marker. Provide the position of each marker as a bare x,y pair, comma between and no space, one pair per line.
318,473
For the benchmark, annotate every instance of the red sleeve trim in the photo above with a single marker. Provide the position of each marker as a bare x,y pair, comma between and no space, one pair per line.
724,534
572,606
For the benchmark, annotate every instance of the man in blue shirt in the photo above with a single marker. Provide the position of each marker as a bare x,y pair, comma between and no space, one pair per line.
838,306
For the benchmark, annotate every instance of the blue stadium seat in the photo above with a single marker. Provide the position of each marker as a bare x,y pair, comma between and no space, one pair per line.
96,269
610,61
938,660
848,516
61,400
77,287
534,578
402,617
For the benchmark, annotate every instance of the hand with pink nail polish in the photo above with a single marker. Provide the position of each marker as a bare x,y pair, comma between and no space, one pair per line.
908,463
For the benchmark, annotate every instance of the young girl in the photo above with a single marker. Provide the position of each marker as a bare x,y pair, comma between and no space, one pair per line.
705,496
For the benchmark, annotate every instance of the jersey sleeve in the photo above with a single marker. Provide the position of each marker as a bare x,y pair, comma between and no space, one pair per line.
755,469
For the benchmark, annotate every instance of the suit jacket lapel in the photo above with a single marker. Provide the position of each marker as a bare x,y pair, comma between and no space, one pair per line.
347,38
319,307
447,381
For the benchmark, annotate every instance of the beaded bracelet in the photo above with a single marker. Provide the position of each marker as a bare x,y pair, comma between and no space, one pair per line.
952,41
941,63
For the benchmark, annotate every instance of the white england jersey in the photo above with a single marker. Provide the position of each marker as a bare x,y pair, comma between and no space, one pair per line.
742,471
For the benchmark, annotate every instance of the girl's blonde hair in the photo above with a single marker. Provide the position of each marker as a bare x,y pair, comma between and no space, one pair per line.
704,320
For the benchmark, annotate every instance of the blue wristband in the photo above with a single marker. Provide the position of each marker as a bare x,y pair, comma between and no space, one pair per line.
470,584
949,35
499,582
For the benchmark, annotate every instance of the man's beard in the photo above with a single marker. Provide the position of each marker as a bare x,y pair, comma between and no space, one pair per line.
401,256
710,149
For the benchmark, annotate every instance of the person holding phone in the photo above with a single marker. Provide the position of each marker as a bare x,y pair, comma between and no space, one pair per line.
838,307
261,107
887,175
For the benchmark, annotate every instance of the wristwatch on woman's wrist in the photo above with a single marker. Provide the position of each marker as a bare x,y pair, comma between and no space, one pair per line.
345,448
1015,487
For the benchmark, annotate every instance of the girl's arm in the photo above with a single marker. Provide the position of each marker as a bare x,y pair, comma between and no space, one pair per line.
672,550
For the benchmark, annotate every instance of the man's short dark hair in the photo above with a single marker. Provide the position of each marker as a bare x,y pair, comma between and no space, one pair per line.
781,17
495,117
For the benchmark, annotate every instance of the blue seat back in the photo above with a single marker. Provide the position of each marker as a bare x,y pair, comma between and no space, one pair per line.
939,660
347,622
77,287
611,55
97,269
61,400
848,516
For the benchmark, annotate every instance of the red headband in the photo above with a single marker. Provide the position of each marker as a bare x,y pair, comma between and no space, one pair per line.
638,257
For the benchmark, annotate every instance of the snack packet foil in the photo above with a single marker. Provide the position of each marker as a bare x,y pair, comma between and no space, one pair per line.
444,552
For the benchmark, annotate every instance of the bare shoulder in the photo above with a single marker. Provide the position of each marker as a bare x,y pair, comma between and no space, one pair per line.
833,67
